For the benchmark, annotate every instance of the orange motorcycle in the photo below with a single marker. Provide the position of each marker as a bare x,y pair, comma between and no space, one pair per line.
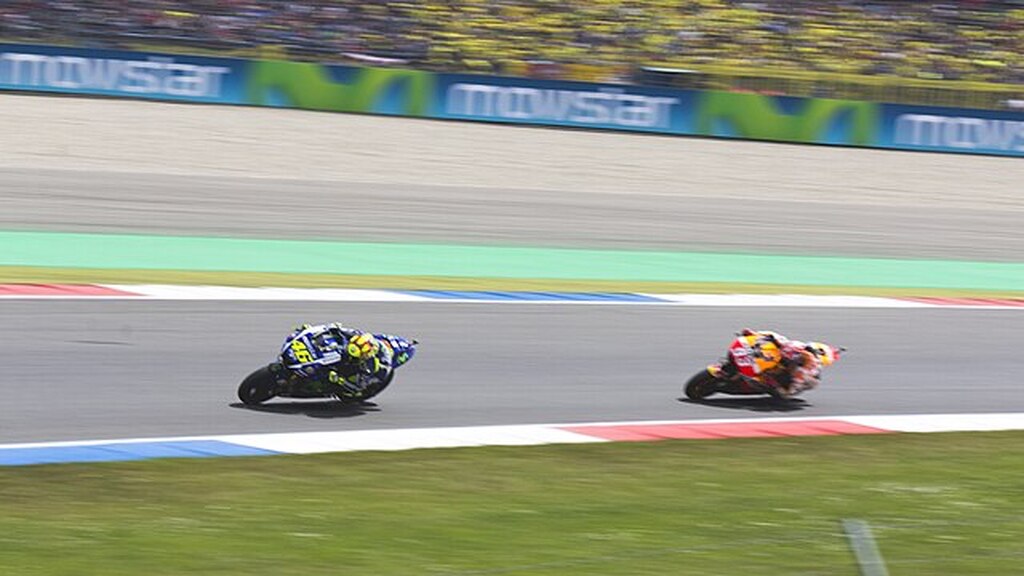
749,367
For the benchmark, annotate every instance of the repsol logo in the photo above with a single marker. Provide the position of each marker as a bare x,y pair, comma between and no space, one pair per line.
960,132
599,107
155,76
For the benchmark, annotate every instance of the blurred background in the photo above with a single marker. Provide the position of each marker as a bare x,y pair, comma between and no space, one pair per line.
880,50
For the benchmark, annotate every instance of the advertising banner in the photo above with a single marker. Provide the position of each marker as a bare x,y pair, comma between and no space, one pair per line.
787,119
215,80
340,88
571,104
727,115
952,130
417,93
115,73
856,123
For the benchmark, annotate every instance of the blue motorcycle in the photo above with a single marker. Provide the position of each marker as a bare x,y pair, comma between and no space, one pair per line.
304,358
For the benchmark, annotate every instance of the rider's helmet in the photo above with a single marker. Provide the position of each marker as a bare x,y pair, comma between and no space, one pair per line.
362,347
825,353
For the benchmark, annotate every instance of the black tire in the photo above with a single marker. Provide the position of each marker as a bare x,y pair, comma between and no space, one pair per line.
377,388
258,387
702,385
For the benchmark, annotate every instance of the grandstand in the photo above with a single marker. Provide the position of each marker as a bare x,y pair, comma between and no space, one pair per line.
921,51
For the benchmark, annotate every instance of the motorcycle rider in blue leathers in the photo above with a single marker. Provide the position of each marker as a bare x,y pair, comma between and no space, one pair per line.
364,360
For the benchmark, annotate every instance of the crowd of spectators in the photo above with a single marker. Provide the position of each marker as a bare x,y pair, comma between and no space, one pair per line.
321,28
952,39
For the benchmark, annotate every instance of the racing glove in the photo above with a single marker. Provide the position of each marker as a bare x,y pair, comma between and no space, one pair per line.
348,389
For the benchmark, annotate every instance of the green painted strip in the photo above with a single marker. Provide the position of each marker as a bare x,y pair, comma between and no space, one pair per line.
138,252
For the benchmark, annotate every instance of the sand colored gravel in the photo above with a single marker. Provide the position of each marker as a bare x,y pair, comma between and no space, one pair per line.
161,138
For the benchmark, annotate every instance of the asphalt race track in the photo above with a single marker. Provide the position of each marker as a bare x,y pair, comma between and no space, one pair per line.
120,369
833,223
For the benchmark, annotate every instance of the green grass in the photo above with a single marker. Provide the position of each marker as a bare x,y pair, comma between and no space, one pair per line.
938,504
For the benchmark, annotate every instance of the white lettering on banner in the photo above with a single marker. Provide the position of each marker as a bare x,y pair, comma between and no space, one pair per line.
960,132
605,106
159,76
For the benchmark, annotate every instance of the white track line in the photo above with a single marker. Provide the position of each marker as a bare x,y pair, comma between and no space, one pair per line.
234,293
536,434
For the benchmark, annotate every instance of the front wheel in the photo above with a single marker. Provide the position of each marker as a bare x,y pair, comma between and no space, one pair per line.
377,388
258,387
702,385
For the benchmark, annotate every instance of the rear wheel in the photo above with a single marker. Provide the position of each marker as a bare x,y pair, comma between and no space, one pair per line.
258,387
702,385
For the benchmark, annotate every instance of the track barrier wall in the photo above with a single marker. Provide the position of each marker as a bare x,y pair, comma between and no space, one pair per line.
126,74
414,93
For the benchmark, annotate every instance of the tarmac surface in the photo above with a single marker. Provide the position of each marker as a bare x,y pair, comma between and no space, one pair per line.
114,369
118,202
127,369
